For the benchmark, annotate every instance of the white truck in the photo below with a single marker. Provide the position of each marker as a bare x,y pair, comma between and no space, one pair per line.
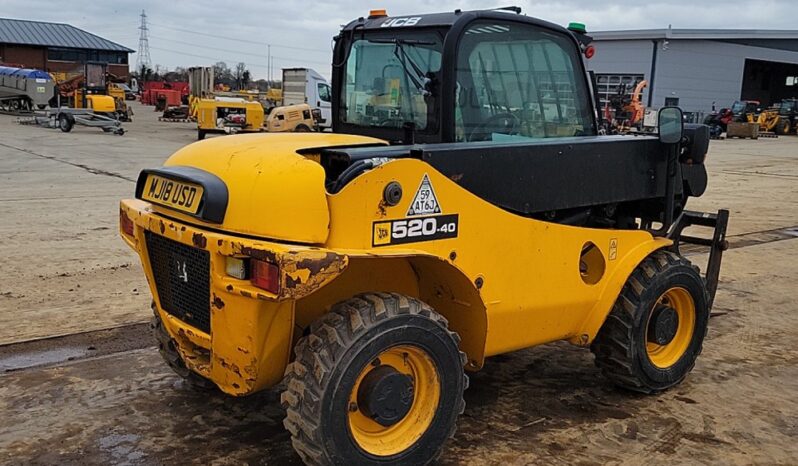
306,86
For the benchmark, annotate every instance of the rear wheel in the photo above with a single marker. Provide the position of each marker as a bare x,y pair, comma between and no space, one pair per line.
656,329
379,380
168,351
302,129
783,126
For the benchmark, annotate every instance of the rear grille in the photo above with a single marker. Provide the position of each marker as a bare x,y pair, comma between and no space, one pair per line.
182,278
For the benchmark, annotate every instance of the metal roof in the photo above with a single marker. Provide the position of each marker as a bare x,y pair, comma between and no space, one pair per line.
695,34
23,32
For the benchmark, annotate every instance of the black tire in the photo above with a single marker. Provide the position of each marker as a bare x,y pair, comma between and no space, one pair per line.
621,345
340,347
200,135
66,122
302,129
168,351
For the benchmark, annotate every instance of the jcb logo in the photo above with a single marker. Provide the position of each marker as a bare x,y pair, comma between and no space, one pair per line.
396,22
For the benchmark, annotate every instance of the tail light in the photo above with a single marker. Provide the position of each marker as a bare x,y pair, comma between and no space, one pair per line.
265,275
590,51
125,223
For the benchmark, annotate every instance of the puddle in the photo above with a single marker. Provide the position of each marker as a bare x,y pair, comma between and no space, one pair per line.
28,359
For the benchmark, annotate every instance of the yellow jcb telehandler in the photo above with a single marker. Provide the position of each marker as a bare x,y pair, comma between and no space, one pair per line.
474,212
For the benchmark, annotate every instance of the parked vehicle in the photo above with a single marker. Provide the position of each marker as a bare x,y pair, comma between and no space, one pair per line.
455,213
306,86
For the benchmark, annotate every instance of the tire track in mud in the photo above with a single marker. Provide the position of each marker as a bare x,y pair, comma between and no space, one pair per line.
92,170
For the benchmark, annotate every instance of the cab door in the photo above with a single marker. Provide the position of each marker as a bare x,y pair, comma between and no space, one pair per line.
324,103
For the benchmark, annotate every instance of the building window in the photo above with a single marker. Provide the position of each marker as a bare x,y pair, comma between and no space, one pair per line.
792,80
80,56
608,85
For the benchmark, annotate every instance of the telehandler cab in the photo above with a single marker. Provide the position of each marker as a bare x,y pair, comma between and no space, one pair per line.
463,207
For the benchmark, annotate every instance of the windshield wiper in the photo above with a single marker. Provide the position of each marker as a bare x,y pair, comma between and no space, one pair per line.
417,76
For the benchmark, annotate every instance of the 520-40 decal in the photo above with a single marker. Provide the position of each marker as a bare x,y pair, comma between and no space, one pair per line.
415,230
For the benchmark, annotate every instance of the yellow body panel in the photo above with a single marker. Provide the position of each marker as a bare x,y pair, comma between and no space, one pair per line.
273,191
99,103
532,290
504,281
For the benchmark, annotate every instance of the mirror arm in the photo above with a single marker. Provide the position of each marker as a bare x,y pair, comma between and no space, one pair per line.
670,188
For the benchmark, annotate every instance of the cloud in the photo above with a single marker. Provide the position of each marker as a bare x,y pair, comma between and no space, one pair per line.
189,33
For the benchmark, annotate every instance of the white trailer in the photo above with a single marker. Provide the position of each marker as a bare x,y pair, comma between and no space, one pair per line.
306,86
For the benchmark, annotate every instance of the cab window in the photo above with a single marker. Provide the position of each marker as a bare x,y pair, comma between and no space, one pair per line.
385,79
324,92
518,81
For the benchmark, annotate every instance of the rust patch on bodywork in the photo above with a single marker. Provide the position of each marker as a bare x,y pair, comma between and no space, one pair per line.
199,240
260,254
317,265
247,376
302,271
315,269
217,302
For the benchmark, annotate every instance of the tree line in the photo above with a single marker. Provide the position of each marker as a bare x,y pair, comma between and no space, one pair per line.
238,77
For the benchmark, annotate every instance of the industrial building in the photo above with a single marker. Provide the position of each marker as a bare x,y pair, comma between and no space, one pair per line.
697,69
57,47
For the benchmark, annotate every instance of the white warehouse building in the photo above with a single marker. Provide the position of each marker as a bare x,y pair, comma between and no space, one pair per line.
698,69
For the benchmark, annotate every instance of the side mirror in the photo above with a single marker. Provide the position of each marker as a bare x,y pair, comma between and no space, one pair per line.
671,125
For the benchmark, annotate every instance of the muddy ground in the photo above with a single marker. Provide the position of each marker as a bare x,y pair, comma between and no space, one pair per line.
100,394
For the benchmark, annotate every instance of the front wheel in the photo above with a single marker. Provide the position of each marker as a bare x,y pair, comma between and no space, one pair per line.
378,380
783,127
655,331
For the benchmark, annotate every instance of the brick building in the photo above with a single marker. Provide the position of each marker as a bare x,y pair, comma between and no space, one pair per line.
57,47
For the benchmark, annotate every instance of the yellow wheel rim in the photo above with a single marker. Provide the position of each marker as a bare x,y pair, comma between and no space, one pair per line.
665,356
380,440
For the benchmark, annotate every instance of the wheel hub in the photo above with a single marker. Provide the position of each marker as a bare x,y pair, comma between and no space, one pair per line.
385,395
663,325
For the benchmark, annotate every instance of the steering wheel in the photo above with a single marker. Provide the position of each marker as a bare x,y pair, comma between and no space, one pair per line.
504,123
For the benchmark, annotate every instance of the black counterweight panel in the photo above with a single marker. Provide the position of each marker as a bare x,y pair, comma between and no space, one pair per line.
555,175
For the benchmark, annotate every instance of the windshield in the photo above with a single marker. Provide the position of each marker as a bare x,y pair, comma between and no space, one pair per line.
738,107
787,107
387,79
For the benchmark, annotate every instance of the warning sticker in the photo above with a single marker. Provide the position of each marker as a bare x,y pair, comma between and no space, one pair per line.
425,202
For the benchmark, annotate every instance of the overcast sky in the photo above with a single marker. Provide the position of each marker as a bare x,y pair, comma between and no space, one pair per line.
201,32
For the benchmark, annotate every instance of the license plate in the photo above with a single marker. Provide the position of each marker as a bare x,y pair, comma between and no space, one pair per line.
177,195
